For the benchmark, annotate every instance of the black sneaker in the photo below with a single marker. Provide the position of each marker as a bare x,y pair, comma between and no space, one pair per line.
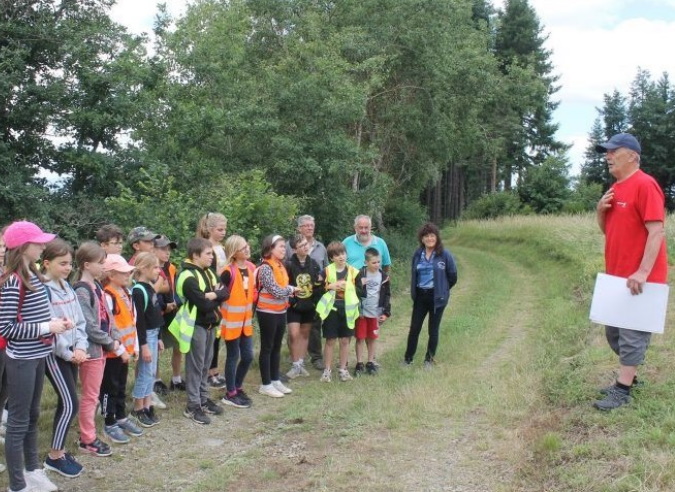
236,401
152,414
211,407
359,370
197,415
160,388
371,368
143,418
244,396
179,386
637,384
96,447
616,397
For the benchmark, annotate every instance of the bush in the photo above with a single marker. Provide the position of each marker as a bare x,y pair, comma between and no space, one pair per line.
584,198
545,188
403,218
493,205
252,209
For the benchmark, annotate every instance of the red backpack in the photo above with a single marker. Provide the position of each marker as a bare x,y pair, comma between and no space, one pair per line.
22,294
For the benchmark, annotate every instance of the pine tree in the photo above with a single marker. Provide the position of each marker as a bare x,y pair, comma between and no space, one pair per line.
648,111
614,114
482,12
520,43
594,168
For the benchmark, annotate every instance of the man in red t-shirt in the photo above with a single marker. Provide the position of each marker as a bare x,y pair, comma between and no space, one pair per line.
631,215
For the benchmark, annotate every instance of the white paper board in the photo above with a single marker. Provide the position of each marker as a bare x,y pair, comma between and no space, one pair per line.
614,305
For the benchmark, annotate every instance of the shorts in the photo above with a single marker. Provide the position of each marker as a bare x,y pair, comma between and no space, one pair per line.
335,325
367,328
168,339
293,316
629,345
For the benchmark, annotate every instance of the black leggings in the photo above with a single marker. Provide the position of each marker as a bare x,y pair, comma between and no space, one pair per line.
216,351
272,328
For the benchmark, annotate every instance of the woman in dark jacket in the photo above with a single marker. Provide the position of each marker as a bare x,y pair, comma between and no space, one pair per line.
434,273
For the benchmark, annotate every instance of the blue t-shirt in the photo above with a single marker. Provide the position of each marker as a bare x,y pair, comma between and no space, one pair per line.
356,252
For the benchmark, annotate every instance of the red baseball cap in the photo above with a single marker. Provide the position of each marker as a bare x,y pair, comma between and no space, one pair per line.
23,232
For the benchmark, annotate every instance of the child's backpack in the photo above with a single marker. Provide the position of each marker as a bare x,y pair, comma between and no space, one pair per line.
146,298
22,295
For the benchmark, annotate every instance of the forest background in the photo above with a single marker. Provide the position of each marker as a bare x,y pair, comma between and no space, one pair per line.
266,109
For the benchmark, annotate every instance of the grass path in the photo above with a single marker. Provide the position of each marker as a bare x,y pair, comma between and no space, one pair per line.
458,427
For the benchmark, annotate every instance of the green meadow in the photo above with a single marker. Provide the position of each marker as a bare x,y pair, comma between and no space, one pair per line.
507,408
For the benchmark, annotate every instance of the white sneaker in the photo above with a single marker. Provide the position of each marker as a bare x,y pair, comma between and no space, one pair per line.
294,372
156,402
38,480
279,386
344,375
27,488
303,371
326,376
270,390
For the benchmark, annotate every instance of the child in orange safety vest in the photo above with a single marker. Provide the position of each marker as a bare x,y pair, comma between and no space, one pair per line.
237,324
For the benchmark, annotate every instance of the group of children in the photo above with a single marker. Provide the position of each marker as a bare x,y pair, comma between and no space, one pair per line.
118,310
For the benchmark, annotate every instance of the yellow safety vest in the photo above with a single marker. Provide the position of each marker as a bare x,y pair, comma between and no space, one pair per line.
183,325
325,304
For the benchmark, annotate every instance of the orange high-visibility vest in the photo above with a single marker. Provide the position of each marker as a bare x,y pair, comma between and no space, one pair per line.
266,301
238,309
125,320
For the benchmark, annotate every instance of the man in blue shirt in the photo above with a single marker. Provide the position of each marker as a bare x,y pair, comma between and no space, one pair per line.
357,244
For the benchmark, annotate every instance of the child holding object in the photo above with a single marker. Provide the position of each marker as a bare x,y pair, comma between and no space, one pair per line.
27,325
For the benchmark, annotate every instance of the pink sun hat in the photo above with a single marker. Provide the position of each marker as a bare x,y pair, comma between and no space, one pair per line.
22,232
116,263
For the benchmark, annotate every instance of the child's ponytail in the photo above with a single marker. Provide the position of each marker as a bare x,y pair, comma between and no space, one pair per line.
209,221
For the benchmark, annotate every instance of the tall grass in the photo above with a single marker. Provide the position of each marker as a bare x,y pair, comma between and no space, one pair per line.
572,446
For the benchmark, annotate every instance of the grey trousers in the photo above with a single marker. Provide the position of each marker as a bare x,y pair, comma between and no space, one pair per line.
25,378
197,362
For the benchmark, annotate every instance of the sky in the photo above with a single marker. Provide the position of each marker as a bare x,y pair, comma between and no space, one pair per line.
597,47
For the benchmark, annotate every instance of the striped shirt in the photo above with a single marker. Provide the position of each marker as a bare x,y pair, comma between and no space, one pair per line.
28,338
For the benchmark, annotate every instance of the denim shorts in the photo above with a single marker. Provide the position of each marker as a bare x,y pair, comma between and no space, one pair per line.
145,379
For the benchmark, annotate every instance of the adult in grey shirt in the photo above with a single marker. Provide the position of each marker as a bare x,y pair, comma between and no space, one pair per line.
317,251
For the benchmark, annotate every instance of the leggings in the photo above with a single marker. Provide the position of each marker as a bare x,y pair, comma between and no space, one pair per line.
272,328
216,351
239,358
63,376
